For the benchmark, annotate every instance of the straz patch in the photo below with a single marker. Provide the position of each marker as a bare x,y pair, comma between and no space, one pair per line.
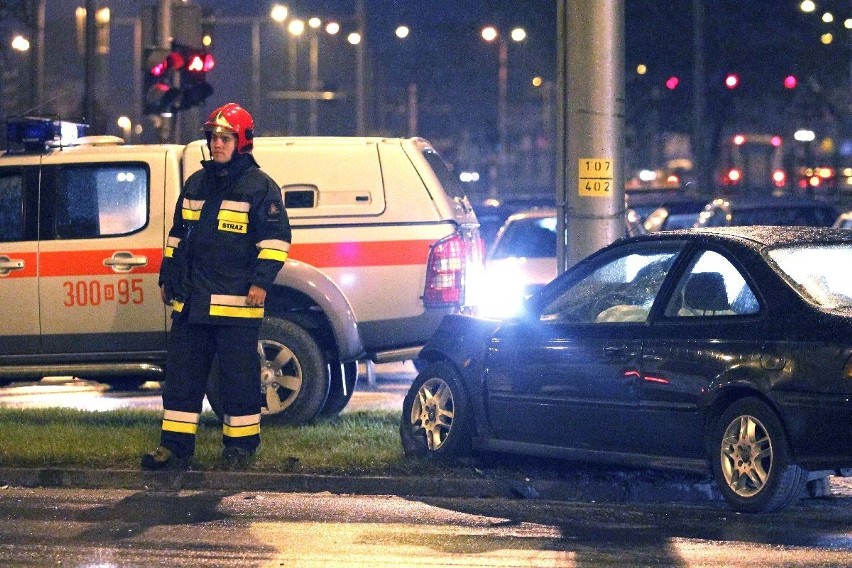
233,227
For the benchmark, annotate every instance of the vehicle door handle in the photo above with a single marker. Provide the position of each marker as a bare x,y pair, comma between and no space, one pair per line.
7,264
615,350
124,261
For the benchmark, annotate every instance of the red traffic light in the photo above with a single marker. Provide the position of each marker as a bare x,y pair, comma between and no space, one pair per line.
672,83
200,62
732,80
790,82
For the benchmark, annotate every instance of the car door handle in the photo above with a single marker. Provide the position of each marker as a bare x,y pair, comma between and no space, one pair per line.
124,261
7,264
616,350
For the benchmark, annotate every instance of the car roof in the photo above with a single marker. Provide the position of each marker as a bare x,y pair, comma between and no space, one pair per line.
756,236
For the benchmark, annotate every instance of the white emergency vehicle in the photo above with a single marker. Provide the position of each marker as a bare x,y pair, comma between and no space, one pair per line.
384,245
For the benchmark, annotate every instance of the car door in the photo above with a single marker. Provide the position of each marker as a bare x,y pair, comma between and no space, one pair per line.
19,333
562,375
711,330
102,231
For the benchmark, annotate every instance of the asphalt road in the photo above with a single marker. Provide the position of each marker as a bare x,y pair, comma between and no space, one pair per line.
237,528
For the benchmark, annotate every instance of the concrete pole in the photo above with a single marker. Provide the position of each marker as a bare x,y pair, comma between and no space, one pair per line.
361,70
313,56
292,56
412,110
502,112
90,73
700,158
38,92
255,65
590,127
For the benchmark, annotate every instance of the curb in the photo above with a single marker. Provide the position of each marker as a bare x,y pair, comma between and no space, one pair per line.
581,488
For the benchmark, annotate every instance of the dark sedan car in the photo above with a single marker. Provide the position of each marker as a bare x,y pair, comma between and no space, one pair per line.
767,210
726,350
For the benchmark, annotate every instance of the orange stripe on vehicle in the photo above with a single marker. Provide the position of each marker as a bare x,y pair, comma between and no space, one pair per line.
372,253
91,262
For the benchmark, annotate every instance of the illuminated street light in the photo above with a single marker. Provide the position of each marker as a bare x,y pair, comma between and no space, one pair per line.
354,38
20,43
804,135
332,28
314,23
279,13
402,32
296,27
807,6
490,34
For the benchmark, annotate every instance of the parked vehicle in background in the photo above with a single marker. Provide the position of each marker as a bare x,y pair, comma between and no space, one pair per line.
674,214
724,350
522,259
493,213
783,210
385,243
843,221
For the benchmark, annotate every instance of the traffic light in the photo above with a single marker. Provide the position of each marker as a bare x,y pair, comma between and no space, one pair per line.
193,79
176,78
672,83
790,82
159,94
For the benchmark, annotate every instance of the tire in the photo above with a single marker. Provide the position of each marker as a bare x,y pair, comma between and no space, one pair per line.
752,464
293,374
344,379
437,417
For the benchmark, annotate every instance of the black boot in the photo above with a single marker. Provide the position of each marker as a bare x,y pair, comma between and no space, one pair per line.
164,458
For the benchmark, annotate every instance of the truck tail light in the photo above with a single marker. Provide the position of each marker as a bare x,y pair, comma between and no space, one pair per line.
452,263
445,272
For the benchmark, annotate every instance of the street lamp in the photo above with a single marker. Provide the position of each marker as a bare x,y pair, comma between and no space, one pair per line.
490,34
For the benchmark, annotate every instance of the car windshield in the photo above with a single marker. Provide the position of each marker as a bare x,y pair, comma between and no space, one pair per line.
820,273
530,237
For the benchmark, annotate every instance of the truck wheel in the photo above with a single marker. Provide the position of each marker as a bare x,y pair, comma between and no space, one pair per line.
344,378
293,374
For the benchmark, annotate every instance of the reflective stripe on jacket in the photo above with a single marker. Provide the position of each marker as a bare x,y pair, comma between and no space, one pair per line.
230,231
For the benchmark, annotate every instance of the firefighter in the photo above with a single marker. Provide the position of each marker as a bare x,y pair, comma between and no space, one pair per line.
230,237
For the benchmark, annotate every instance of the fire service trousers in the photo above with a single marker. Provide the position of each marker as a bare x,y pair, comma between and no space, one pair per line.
192,349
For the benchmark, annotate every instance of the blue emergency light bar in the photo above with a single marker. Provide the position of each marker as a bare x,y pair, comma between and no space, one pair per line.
31,134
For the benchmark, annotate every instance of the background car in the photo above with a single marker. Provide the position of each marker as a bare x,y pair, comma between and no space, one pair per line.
723,350
767,210
843,221
522,259
675,214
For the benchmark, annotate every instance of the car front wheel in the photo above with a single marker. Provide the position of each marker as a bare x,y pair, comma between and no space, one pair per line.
436,415
753,466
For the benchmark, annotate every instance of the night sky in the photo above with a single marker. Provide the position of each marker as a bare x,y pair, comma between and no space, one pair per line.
455,71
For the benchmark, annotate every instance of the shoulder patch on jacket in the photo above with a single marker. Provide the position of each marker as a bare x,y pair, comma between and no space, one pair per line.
272,210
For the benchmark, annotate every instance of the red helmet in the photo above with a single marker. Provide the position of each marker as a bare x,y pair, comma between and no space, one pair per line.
232,118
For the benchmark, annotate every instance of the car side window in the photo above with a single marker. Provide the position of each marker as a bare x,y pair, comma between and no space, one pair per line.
621,290
11,207
712,287
100,201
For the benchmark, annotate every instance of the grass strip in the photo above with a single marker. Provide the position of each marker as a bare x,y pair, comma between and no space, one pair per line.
354,443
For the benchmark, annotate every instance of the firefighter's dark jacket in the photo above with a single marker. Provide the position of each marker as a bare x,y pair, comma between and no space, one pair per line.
230,231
